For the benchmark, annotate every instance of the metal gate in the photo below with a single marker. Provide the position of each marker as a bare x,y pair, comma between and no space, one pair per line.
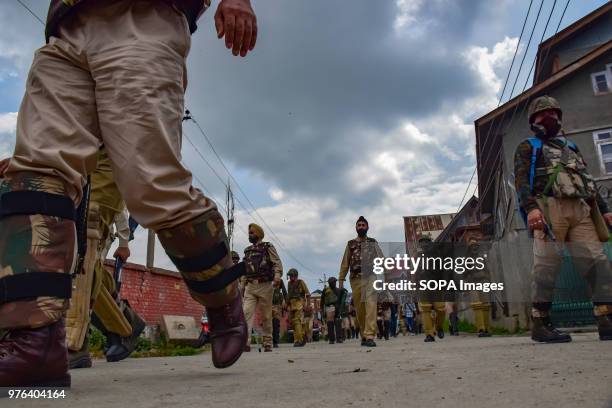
572,304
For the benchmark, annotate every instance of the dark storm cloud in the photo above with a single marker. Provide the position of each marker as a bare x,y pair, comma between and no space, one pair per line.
322,71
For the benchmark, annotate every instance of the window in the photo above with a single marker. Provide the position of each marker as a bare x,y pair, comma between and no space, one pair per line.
601,82
603,147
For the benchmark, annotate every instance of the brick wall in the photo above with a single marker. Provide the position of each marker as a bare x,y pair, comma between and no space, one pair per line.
156,292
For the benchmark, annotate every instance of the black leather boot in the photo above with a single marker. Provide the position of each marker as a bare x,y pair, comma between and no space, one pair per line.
543,331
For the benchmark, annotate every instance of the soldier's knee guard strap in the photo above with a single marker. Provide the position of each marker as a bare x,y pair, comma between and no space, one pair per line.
31,285
218,282
201,262
36,202
35,284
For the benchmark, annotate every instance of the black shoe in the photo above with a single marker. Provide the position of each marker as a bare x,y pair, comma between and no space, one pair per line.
300,344
363,342
275,345
604,326
440,333
429,338
484,333
543,331
121,347
369,343
81,358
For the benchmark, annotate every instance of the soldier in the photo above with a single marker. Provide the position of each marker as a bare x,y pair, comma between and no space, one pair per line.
331,299
559,197
95,287
263,273
279,305
129,98
430,301
298,295
362,249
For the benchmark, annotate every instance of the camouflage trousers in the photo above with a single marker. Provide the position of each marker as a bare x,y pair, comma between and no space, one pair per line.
130,98
575,233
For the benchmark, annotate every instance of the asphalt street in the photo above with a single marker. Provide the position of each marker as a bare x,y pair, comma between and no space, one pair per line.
462,371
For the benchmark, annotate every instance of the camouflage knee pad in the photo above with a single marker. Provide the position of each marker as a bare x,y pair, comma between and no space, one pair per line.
37,250
200,251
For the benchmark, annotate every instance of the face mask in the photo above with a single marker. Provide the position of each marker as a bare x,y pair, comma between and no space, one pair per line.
252,239
362,232
547,127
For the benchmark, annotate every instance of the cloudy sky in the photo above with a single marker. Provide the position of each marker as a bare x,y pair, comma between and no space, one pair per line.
345,108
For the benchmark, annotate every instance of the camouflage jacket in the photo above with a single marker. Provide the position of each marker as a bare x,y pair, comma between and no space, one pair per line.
59,9
522,166
297,289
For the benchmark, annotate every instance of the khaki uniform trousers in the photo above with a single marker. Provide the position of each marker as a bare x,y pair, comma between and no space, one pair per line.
307,327
296,314
431,326
115,74
364,301
571,221
259,294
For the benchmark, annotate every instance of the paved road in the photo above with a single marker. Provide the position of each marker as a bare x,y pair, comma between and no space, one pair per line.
455,372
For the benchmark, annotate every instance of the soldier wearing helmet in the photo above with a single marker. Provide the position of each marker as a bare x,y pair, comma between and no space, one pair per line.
332,300
558,196
298,295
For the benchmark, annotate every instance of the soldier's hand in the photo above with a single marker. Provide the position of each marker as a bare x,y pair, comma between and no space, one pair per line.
608,218
122,253
236,20
535,220
4,163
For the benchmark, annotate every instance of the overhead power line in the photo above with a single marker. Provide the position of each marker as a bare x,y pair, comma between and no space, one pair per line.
31,12
189,116
467,188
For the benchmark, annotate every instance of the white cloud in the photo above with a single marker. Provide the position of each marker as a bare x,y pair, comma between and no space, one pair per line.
8,123
276,193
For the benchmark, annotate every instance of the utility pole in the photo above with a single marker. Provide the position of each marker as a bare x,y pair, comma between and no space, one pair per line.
150,249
